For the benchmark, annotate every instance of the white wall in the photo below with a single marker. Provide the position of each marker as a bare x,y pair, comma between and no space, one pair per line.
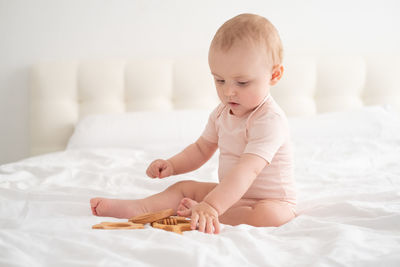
32,31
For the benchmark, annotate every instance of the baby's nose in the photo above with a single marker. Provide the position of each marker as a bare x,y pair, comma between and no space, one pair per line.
229,90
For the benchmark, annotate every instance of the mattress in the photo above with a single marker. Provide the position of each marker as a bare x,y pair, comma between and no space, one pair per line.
348,177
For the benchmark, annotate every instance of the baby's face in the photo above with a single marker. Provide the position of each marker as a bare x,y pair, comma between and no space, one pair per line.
242,76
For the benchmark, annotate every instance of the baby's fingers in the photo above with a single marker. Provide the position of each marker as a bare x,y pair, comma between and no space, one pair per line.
202,223
162,171
194,219
155,169
150,170
216,226
154,173
209,225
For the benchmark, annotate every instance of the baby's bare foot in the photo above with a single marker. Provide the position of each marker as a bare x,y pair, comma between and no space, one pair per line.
117,208
185,207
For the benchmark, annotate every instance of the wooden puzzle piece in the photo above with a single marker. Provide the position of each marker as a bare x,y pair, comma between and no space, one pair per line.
161,220
152,216
176,228
172,220
118,225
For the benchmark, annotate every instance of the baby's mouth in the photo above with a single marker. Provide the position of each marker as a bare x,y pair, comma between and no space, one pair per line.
233,104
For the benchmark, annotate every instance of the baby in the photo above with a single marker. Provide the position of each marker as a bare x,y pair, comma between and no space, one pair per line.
255,172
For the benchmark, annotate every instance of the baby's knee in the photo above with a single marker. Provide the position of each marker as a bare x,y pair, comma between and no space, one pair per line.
183,184
192,189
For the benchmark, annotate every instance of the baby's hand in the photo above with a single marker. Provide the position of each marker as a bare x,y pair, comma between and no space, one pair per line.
206,216
160,169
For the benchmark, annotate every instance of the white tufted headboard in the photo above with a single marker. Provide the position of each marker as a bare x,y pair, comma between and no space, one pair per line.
64,92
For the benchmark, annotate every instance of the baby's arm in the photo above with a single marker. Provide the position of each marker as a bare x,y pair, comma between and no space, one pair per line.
236,183
226,193
191,158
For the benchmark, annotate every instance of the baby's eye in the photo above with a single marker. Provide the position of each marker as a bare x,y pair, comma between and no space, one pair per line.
242,83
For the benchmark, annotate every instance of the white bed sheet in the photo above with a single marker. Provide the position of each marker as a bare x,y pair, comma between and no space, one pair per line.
349,207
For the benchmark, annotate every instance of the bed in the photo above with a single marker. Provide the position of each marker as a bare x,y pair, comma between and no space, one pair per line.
97,124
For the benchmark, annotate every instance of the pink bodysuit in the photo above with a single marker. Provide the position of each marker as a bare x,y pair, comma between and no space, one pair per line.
263,132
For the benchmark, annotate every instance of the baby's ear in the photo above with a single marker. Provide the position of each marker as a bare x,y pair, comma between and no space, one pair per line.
277,72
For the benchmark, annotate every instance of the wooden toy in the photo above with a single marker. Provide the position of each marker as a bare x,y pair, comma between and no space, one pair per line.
118,225
152,216
173,224
172,220
161,220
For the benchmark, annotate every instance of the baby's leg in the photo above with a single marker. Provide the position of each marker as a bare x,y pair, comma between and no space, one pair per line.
168,199
118,208
258,213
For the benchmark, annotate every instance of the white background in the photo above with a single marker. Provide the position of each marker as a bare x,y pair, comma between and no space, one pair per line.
33,31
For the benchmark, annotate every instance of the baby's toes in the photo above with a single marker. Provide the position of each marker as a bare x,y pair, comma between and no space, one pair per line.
188,202
181,207
184,213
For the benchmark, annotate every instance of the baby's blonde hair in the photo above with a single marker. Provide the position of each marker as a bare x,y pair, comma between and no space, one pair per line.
253,28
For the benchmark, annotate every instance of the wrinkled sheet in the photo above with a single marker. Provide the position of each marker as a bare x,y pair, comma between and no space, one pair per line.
349,210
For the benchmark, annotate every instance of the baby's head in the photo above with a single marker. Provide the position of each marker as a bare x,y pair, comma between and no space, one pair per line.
245,59
253,29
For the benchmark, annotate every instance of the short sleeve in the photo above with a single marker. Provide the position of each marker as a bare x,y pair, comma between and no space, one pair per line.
210,131
265,136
